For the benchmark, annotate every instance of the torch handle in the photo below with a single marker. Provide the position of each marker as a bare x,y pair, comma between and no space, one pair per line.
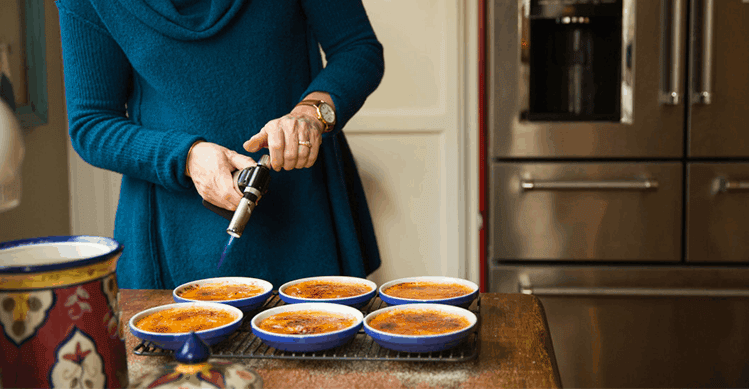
225,213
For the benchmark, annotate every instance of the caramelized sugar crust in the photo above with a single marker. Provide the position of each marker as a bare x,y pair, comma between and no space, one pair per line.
418,321
220,291
323,289
426,290
184,319
306,322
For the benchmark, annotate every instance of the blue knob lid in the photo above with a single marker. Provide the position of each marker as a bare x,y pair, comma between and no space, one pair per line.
194,350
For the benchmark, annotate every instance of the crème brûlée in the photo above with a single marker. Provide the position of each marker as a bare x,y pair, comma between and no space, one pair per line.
306,322
325,289
220,291
427,290
418,321
185,319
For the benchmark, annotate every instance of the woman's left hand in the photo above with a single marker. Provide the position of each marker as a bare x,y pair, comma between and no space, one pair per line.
293,140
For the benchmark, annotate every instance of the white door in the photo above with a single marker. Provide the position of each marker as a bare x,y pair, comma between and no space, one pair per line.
415,140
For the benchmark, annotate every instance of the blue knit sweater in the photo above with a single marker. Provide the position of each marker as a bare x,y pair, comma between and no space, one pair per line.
145,79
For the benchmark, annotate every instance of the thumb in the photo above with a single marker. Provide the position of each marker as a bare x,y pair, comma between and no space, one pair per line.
241,161
257,142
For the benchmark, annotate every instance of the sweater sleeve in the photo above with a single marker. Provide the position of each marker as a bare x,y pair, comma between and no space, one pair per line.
355,63
97,78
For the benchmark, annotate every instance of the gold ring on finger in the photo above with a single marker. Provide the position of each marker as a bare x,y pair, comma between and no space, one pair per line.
305,143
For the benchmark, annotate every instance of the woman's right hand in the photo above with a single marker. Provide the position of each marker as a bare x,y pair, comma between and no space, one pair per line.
211,166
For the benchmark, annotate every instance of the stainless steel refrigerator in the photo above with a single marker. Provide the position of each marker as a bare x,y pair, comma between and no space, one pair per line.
617,181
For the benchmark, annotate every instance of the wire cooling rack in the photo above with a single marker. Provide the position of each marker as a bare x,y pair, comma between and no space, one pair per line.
244,344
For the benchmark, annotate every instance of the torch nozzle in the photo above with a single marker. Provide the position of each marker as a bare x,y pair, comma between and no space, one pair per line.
253,182
241,217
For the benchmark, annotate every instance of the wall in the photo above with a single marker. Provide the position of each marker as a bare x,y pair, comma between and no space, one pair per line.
413,139
45,201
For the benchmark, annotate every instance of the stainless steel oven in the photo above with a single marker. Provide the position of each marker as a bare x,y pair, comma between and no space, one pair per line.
618,183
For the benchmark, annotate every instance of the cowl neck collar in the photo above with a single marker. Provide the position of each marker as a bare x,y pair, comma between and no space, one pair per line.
184,19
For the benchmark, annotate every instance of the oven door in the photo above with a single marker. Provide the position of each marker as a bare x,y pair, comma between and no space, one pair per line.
615,327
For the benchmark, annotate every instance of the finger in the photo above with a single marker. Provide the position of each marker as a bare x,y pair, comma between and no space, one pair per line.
276,145
219,191
229,196
304,151
257,142
303,154
240,161
316,142
291,152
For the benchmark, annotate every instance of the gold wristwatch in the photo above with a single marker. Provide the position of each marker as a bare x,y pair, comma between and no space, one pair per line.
325,113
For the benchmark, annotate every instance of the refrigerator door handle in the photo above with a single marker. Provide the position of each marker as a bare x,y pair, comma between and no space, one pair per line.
648,184
702,90
633,292
671,52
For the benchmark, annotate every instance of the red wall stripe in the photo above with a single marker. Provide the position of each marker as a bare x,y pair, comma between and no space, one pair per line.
482,143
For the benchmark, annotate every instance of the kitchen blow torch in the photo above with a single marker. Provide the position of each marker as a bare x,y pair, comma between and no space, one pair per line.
253,183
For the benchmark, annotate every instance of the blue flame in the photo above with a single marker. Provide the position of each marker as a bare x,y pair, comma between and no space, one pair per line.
231,239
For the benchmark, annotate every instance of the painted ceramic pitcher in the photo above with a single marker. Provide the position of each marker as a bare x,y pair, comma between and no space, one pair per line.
59,314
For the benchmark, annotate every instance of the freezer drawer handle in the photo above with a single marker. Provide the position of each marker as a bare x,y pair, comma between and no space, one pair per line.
724,185
648,184
625,292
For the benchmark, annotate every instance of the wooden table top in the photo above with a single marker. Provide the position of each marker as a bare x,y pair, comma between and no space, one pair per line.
514,350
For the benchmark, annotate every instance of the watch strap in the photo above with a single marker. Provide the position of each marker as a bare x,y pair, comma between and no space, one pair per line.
327,127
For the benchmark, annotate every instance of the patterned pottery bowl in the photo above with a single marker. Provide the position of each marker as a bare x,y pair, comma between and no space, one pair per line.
429,290
170,325
226,290
308,315
60,313
417,322
351,291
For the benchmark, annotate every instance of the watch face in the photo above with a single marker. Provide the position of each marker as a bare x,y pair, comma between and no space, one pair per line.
327,113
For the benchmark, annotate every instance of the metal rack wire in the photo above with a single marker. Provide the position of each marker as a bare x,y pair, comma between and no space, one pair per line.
244,344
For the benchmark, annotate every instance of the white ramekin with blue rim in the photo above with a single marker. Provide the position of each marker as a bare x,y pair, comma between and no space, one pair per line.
357,301
245,304
420,343
173,341
308,342
463,301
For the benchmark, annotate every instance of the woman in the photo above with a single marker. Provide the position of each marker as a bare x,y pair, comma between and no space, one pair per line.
171,93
